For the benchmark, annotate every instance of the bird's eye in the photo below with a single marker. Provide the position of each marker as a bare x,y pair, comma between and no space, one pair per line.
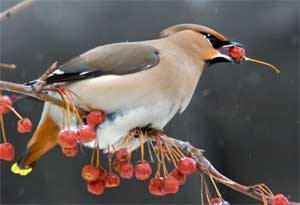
215,42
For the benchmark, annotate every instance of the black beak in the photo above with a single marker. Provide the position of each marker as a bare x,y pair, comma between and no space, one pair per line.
229,44
224,58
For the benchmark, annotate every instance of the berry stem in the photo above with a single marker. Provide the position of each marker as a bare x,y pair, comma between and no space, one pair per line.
201,189
149,150
175,146
81,100
215,186
265,189
158,169
154,150
110,167
170,154
165,171
263,63
176,154
130,151
141,134
207,192
14,111
98,156
63,94
3,128
74,109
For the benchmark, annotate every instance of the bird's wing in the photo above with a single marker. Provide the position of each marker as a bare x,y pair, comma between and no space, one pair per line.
116,59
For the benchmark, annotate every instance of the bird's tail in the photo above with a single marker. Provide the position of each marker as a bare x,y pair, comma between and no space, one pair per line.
43,140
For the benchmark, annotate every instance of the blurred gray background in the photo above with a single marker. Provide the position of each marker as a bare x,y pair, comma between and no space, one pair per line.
245,116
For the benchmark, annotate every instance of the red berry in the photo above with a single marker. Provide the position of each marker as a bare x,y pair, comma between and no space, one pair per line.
112,180
67,138
95,117
90,173
70,151
116,164
237,53
86,134
280,199
126,170
122,154
170,185
24,125
142,170
96,187
155,186
181,178
5,100
187,165
7,151
215,201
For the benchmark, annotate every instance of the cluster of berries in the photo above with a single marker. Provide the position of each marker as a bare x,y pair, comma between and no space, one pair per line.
68,139
98,178
24,125
169,184
121,164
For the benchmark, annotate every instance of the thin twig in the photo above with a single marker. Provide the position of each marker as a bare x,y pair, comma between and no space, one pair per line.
29,91
15,9
204,166
8,65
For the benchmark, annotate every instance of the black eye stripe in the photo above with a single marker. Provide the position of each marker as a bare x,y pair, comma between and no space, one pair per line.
215,42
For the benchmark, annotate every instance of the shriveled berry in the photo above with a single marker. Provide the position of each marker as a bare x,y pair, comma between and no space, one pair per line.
280,199
215,201
86,134
142,170
95,117
96,187
237,53
170,185
90,173
187,165
24,125
70,151
5,100
181,178
155,186
126,170
7,151
122,154
67,138
112,180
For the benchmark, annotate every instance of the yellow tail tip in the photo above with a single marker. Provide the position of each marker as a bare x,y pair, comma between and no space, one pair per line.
21,171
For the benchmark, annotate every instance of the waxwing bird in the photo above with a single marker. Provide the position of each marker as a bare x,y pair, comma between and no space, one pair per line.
136,84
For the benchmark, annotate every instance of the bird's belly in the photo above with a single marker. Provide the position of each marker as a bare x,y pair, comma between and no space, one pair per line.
118,124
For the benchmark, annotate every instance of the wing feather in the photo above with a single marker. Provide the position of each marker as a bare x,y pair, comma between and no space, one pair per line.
116,59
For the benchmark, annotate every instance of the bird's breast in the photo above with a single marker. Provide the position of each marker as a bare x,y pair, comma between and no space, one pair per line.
117,124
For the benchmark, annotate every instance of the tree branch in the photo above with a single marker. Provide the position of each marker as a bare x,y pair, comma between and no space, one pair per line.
204,166
15,9
29,91
8,65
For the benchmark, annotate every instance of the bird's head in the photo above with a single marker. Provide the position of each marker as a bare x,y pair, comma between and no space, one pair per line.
212,47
